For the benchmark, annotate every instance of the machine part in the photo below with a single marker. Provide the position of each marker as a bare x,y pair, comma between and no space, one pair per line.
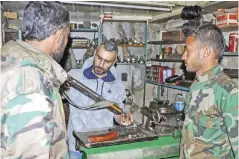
164,110
161,117
156,116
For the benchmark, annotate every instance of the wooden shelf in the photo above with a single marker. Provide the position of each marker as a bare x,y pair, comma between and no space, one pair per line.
133,45
231,53
84,30
79,47
167,60
130,64
169,86
228,28
166,42
10,30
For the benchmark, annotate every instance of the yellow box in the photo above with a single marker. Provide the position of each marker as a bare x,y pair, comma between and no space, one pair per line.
10,15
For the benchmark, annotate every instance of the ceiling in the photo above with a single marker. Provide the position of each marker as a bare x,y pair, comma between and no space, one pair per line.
91,10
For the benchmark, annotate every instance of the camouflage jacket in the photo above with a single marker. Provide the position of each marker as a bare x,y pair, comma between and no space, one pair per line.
32,118
210,128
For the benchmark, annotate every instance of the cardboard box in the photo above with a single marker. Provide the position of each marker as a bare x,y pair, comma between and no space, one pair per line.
10,15
173,35
226,19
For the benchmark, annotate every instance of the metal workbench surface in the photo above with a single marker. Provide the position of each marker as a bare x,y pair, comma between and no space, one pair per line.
163,147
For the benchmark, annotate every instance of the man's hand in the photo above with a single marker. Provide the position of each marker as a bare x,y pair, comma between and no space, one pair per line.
126,119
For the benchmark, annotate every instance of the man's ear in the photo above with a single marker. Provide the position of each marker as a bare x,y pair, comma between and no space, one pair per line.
59,34
115,59
207,51
95,52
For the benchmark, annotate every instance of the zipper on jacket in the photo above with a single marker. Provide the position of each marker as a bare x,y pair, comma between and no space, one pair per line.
96,86
102,88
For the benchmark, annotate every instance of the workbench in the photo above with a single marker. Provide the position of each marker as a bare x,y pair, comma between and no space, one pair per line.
165,146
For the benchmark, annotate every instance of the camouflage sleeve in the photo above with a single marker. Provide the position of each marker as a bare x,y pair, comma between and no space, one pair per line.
230,114
29,125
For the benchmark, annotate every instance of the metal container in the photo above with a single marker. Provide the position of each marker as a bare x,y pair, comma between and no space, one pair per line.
167,50
164,110
233,42
73,25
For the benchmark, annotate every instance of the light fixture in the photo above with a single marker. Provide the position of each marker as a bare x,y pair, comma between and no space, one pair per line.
169,9
126,18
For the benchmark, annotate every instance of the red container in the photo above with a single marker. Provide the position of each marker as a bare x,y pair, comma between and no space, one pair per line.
233,42
174,71
161,68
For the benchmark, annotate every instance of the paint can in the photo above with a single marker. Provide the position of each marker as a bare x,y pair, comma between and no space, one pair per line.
233,42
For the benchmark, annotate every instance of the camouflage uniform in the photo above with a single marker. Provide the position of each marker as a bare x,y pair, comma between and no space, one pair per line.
32,118
211,118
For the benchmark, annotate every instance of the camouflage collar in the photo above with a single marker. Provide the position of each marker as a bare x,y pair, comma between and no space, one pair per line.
50,66
206,76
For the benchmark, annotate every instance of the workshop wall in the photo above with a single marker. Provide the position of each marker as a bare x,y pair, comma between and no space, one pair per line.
119,30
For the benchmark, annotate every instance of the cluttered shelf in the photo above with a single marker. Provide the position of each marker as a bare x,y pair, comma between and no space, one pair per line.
169,85
79,47
167,60
231,53
167,42
84,30
130,63
10,30
132,45
228,28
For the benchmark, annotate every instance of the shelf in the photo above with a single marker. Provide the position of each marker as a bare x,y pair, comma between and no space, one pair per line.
167,60
79,47
169,86
231,53
133,45
166,42
130,64
84,30
228,28
10,30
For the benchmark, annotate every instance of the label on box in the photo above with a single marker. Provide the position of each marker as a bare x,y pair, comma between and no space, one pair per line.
226,19
233,42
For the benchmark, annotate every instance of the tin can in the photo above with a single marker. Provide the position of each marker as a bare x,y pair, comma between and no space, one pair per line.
173,71
160,75
73,25
233,42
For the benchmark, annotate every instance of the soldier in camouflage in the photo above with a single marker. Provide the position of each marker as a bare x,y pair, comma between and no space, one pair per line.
32,118
210,128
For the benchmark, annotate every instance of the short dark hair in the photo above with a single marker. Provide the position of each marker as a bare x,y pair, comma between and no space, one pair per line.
110,45
211,36
42,19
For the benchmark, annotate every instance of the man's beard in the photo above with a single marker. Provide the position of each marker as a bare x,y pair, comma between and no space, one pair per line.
102,71
57,55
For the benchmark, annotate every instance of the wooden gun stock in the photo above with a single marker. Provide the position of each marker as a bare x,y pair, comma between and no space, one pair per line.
103,137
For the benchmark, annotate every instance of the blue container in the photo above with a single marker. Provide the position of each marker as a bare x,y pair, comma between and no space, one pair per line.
179,106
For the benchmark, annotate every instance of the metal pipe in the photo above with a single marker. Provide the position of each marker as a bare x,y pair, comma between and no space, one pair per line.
149,3
127,18
119,5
